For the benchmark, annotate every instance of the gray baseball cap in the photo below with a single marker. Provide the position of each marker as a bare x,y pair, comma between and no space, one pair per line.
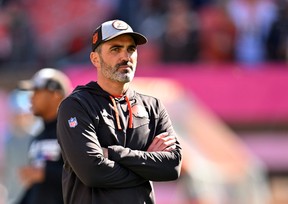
48,78
111,29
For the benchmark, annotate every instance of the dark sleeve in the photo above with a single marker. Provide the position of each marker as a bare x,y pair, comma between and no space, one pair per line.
83,153
53,171
154,166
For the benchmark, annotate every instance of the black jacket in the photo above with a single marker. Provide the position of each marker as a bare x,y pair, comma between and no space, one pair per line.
90,119
45,151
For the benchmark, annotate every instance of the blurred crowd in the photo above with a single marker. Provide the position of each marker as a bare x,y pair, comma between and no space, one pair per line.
57,33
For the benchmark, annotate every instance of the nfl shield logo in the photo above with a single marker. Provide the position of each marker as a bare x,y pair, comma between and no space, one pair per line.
72,122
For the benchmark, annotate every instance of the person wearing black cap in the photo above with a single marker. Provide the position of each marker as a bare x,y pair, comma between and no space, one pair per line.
114,140
42,176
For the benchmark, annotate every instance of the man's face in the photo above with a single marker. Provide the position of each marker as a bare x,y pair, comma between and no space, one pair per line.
40,102
44,103
118,59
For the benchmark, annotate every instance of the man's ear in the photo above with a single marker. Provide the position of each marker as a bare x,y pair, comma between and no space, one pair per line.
58,95
94,57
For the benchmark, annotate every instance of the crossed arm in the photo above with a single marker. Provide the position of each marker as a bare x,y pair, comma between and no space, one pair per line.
162,142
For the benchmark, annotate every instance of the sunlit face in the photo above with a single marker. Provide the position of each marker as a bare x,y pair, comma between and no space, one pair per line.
40,101
44,103
117,59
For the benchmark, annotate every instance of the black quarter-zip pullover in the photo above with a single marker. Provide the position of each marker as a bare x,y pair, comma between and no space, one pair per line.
90,119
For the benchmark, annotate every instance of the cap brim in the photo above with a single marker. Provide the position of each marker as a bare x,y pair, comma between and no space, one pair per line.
139,38
26,85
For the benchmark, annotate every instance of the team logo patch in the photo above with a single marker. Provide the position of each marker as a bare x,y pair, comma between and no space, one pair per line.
95,38
120,25
72,122
139,111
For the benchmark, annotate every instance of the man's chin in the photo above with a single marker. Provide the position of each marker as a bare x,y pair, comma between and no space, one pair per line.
127,78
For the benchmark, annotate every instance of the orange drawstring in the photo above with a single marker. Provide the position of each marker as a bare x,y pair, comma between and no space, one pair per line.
116,113
130,112
130,122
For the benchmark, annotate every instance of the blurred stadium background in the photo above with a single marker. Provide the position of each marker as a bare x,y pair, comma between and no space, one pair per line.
220,67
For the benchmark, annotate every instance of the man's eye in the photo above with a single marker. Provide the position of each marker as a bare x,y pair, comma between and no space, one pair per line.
115,49
132,49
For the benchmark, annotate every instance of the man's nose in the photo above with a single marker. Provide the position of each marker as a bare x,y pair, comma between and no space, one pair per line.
126,56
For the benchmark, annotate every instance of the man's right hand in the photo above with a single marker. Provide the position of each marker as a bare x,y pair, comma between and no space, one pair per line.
162,142
30,175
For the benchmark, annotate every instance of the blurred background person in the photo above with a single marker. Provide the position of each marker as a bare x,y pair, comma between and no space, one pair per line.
180,39
253,20
17,36
42,176
277,42
217,34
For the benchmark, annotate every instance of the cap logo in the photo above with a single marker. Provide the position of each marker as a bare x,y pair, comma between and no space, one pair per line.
95,37
120,25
